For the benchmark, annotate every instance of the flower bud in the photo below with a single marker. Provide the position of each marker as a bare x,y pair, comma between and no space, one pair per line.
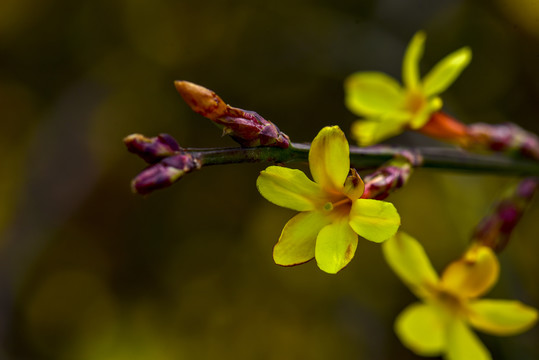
508,138
443,127
201,100
388,178
495,229
354,186
152,150
165,173
247,128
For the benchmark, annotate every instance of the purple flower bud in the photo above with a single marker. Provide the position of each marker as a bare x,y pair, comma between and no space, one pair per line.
152,150
388,178
164,173
527,188
496,228
508,138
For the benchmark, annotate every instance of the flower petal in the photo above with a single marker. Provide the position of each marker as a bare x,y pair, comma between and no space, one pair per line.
335,246
297,241
473,274
421,117
410,64
463,344
408,259
422,329
354,186
501,317
446,71
371,131
329,158
372,93
375,220
289,188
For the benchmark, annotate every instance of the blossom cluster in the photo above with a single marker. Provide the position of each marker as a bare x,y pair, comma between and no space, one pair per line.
337,206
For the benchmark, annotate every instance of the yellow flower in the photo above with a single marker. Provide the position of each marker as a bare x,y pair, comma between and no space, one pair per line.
387,107
332,213
441,324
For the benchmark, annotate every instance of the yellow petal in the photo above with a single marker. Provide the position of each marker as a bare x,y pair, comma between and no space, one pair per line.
297,242
446,71
501,317
410,64
371,131
329,159
354,185
473,274
375,220
463,344
289,188
422,329
335,246
422,116
372,93
408,259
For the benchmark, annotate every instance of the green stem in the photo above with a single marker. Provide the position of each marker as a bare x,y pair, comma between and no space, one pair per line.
373,157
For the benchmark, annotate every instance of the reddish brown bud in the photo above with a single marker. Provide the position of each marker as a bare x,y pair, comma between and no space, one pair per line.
201,100
444,127
246,127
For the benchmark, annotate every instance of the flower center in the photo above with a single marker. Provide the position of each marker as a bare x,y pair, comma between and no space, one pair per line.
329,206
415,101
450,302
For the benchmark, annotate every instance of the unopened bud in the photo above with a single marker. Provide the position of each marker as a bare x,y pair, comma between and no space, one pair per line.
246,127
508,138
496,228
152,150
165,173
388,178
354,186
201,100
443,127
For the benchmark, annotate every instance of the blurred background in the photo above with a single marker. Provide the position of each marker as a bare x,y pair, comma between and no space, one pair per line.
89,270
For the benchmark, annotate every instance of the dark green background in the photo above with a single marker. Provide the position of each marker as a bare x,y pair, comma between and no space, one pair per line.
90,271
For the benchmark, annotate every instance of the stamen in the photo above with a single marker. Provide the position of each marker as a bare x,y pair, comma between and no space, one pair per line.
341,202
330,206
415,101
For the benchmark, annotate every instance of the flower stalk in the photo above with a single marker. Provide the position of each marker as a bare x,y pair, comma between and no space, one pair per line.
186,160
373,157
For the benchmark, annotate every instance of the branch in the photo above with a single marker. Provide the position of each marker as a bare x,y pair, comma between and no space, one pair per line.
169,162
373,157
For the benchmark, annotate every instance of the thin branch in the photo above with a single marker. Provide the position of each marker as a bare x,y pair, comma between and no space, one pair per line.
373,157
169,162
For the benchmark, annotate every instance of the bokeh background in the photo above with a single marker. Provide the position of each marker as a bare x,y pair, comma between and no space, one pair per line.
89,270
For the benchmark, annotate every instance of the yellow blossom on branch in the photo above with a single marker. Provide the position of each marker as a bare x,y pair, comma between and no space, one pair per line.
440,325
387,107
332,215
